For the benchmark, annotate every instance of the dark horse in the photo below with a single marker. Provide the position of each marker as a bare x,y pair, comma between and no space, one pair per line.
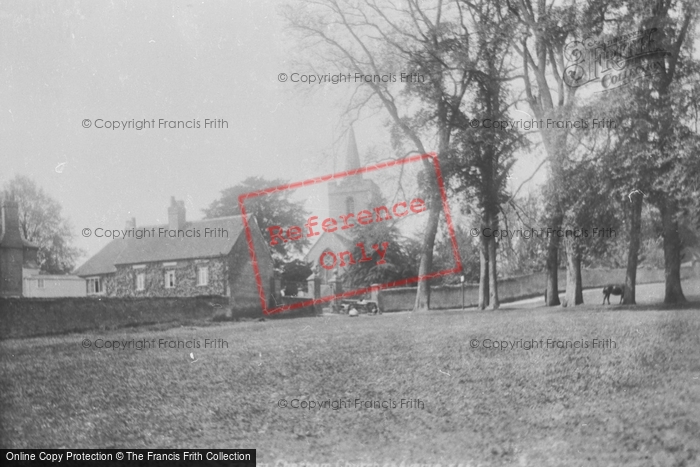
614,290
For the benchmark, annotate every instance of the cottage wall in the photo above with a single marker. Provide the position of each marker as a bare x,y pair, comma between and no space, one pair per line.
11,260
244,289
123,282
54,286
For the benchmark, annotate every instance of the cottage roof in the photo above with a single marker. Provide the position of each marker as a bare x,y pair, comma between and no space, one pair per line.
164,248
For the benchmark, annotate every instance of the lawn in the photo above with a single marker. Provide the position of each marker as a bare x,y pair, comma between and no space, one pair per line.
636,404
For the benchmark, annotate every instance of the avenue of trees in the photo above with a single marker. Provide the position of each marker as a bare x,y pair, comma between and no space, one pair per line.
488,58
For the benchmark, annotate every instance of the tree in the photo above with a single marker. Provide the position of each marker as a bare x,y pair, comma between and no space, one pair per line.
268,210
41,222
485,156
397,263
522,248
675,144
361,38
545,30
468,253
592,215
294,273
655,158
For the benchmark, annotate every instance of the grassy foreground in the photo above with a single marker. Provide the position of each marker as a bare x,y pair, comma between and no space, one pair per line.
636,404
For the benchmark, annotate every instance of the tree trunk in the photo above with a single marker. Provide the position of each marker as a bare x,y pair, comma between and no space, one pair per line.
493,273
579,280
483,273
636,199
555,145
426,261
574,283
672,254
553,267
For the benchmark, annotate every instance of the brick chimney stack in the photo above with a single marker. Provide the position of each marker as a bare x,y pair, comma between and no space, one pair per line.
176,214
11,251
12,237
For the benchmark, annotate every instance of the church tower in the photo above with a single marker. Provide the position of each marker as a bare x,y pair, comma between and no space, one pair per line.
353,193
350,194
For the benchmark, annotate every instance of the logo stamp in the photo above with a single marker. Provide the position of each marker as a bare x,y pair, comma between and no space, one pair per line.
615,62
362,231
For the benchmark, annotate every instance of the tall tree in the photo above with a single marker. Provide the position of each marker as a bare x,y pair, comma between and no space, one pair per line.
674,143
545,30
430,44
42,223
592,216
655,158
486,154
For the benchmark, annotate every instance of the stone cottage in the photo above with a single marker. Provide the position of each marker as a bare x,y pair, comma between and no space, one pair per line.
182,259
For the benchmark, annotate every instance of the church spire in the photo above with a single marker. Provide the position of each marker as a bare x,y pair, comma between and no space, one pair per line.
352,159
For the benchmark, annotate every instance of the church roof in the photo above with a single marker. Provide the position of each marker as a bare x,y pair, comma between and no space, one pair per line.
333,241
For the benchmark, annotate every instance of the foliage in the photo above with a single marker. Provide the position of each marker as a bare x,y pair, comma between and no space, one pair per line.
431,42
468,253
42,223
271,209
523,248
401,259
293,275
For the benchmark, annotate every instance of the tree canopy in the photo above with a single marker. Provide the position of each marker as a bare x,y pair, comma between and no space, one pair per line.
268,210
41,222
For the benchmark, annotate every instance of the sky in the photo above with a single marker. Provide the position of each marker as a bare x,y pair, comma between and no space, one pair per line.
65,62
69,66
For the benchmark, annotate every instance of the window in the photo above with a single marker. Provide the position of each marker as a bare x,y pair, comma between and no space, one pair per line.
94,285
327,271
203,275
140,281
349,204
169,279
40,283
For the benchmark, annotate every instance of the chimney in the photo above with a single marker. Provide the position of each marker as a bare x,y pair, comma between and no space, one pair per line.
10,225
131,223
176,214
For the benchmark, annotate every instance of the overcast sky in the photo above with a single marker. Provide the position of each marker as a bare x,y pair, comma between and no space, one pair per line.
182,60
67,61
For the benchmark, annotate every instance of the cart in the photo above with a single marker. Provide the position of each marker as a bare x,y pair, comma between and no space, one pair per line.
369,307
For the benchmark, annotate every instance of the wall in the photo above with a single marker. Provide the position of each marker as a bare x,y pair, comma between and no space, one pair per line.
11,261
123,283
311,310
244,288
24,317
514,288
54,286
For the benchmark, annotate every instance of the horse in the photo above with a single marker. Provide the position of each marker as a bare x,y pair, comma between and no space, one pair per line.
614,290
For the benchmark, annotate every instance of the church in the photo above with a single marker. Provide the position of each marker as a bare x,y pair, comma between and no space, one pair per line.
349,194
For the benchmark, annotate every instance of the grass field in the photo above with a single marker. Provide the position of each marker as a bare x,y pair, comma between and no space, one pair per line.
636,404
